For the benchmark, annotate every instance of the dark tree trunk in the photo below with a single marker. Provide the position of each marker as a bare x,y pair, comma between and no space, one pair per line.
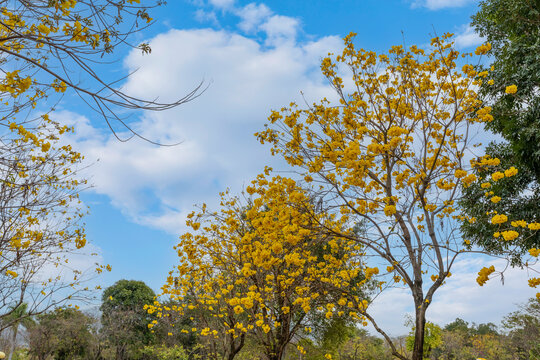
276,353
419,332
13,340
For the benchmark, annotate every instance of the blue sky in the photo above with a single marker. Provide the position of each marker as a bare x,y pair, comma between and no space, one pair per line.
255,56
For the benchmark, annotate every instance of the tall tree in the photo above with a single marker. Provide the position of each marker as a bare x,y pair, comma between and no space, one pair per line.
523,328
40,218
512,27
17,317
261,269
124,320
392,153
64,334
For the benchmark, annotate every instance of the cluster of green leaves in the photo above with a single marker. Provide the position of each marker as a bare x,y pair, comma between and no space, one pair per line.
120,333
512,27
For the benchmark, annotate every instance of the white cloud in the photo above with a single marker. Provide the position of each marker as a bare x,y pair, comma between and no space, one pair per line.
280,30
441,4
252,16
158,186
256,18
460,297
222,4
206,16
467,37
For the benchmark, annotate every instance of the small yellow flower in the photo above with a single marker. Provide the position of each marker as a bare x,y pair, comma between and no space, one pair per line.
512,89
495,199
499,219
510,172
510,235
534,226
496,176
389,210
534,252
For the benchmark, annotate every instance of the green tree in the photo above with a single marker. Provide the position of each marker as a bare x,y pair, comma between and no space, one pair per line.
174,329
513,29
18,316
64,334
124,320
523,328
458,325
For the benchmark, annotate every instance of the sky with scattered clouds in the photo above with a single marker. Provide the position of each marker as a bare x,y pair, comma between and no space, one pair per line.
254,57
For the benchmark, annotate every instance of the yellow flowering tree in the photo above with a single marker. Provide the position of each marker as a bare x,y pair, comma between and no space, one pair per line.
40,218
392,152
260,268
44,43
512,236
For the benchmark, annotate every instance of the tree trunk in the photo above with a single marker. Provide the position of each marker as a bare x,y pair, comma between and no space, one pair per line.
13,341
419,332
120,352
276,353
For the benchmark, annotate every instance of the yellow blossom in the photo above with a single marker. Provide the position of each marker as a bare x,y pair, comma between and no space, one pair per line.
534,252
510,235
499,219
495,199
512,89
496,176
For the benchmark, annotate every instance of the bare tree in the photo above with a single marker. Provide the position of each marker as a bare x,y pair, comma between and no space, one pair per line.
58,44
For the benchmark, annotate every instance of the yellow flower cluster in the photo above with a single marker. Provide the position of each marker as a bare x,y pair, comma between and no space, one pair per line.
483,49
534,252
534,282
254,262
534,226
483,275
499,219
509,235
512,89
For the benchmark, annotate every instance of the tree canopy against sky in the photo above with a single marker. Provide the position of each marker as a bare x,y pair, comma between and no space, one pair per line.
262,269
124,320
56,45
512,29
155,189
393,152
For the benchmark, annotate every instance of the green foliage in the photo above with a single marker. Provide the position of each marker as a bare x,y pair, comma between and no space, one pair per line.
168,331
332,334
126,295
519,195
461,341
163,352
63,334
513,29
432,339
363,346
124,319
524,330
458,325
21,354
